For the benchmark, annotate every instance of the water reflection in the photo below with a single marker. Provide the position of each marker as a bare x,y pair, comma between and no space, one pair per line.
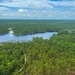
10,37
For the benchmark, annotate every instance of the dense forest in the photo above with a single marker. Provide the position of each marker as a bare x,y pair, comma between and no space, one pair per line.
22,27
55,56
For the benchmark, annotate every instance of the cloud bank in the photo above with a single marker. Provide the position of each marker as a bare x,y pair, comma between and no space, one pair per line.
50,9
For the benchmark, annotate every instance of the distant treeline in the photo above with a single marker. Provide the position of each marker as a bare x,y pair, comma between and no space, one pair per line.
22,27
55,56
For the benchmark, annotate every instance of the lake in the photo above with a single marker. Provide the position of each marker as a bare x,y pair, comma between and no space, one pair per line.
10,37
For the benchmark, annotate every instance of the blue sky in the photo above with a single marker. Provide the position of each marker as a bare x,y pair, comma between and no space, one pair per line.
37,9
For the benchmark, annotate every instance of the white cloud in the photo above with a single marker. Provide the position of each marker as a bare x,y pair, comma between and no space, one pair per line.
40,4
7,14
20,10
27,3
37,8
64,3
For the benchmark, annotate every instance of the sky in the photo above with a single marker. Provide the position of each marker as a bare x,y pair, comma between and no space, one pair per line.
37,9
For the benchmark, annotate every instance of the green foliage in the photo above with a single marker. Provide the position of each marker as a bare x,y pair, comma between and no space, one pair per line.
22,27
55,56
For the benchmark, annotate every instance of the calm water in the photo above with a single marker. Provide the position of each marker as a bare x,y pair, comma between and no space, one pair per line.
10,37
